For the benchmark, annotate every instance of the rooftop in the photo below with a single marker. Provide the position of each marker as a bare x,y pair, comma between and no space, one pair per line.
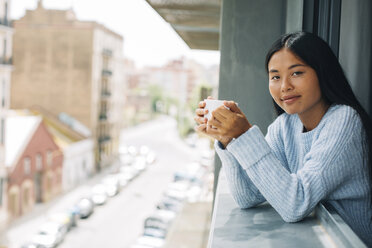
19,130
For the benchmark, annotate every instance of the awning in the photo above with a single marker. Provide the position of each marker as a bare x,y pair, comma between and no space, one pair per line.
197,22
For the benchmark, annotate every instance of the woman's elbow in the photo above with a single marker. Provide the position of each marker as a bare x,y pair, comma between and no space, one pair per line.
292,217
246,204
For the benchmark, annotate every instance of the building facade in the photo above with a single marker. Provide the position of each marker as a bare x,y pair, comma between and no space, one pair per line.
75,142
34,164
6,33
70,66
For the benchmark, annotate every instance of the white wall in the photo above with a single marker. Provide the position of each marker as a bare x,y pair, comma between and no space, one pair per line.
78,163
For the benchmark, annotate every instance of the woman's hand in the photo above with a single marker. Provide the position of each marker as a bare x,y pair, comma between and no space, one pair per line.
227,123
202,123
200,112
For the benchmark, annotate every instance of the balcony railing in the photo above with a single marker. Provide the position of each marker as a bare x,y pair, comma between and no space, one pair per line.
106,73
105,93
104,138
262,226
6,22
103,116
6,61
107,52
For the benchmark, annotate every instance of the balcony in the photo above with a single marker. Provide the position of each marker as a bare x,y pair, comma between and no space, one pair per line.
107,52
104,139
102,116
6,22
106,73
105,93
6,61
262,226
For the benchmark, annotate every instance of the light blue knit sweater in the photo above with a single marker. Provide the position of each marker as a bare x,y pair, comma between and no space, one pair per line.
294,171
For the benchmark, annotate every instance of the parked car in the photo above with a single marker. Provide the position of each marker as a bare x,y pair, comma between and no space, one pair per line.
44,241
150,157
170,204
122,179
194,193
85,207
112,185
144,150
140,163
132,150
140,246
177,190
160,219
32,245
123,150
99,194
187,176
155,232
176,195
126,159
128,172
50,234
66,218
150,241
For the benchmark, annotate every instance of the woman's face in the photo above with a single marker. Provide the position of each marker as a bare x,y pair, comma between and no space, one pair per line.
293,85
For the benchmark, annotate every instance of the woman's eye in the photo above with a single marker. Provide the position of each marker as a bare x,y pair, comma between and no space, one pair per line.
297,73
274,77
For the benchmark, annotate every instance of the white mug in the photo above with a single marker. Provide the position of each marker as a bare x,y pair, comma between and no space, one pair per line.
211,105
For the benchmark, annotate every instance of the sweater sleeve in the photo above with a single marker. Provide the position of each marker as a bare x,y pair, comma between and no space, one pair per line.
243,191
327,165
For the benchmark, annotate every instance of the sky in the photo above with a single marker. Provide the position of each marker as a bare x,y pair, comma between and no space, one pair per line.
148,39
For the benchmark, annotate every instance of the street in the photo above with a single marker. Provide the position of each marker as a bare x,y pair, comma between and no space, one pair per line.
119,222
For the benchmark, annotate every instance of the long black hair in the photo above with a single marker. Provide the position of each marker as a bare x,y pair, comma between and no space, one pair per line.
333,83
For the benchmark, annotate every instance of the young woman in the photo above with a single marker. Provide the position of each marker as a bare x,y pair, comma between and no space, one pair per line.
319,149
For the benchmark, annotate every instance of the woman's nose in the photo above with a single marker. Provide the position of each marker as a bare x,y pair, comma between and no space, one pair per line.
286,85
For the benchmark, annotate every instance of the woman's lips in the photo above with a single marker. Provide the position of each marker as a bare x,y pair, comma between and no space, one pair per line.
290,99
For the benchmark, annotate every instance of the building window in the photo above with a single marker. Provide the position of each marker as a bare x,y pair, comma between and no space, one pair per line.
4,51
3,94
1,191
84,165
27,166
39,162
6,14
26,197
49,158
2,131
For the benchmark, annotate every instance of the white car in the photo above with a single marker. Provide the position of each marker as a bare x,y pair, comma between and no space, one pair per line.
122,179
141,246
160,219
112,185
69,220
126,159
150,157
128,172
50,234
181,186
43,240
150,241
139,163
132,150
144,150
99,194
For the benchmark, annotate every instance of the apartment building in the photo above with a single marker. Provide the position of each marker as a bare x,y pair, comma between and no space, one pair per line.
6,33
69,66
